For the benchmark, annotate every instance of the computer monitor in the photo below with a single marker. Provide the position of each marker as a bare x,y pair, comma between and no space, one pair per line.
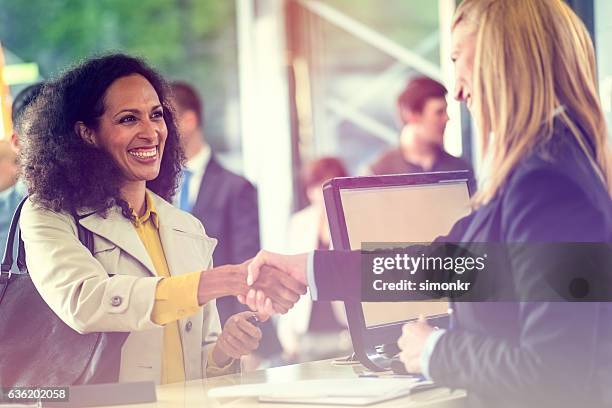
390,209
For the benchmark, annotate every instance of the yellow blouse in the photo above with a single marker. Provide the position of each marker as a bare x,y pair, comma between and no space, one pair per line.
176,297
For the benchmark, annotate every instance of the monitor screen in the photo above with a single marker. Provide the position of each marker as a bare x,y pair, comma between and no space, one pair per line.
410,214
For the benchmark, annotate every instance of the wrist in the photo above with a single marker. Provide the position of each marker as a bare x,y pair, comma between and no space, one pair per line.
227,280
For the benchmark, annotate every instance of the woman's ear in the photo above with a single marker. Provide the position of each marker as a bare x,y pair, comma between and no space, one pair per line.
85,133
405,116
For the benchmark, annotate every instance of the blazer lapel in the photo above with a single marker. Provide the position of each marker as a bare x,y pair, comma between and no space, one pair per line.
209,187
480,222
119,230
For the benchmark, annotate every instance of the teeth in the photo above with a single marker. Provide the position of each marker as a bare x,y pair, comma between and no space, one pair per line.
144,154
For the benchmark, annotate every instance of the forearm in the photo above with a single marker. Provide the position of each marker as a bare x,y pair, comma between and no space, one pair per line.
337,275
226,280
348,276
544,360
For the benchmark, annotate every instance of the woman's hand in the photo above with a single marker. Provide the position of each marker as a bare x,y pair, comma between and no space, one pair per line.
226,280
276,281
292,265
280,288
238,338
276,289
412,344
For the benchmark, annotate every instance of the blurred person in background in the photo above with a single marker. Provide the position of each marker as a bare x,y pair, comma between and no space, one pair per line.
10,195
12,189
314,330
422,111
224,202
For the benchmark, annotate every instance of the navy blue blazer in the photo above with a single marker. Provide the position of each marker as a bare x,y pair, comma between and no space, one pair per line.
530,353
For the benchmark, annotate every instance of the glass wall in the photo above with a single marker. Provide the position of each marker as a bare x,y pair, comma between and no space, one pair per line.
188,40
346,77
350,60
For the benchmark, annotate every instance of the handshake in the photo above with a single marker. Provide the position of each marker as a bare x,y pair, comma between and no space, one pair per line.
274,282
269,283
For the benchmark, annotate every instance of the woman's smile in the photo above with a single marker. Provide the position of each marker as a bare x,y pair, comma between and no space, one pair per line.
145,154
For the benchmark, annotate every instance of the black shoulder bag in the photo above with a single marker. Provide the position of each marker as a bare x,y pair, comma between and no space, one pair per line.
36,347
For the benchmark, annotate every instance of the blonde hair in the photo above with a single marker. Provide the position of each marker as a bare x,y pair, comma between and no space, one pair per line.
531,57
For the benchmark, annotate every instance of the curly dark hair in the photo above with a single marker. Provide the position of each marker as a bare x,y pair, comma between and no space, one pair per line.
62,171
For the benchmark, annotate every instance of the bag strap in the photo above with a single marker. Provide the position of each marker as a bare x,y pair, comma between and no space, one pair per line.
84,235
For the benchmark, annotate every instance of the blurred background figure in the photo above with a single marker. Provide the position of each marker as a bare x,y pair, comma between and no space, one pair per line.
422,110
224,202
9,194
12,190
314,330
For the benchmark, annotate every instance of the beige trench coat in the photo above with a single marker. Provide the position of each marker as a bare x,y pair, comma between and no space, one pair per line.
77,286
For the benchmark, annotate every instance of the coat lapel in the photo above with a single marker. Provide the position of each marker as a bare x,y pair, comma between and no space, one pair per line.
177,232
482,222
119,230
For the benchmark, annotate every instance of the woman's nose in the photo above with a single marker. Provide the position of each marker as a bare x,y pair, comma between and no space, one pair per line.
149,131
150,128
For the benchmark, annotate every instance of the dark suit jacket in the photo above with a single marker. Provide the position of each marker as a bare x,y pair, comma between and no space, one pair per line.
531,353
227,206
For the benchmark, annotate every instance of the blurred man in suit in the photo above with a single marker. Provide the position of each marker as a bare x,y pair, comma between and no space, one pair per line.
9,194
225,202
422,110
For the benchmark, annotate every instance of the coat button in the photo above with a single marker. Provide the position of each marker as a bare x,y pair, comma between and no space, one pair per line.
188,326
116,301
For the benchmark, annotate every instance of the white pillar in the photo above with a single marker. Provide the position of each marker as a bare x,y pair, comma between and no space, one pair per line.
264,112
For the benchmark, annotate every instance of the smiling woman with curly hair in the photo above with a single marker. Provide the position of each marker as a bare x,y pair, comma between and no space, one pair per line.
101,143
65,172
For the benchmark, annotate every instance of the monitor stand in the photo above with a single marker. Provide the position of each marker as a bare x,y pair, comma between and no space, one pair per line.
378,358
381,357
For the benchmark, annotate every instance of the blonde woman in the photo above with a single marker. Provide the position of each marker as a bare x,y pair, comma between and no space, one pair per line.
526,70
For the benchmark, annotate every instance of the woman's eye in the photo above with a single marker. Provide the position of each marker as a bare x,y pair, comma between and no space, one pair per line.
157,114
127,119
